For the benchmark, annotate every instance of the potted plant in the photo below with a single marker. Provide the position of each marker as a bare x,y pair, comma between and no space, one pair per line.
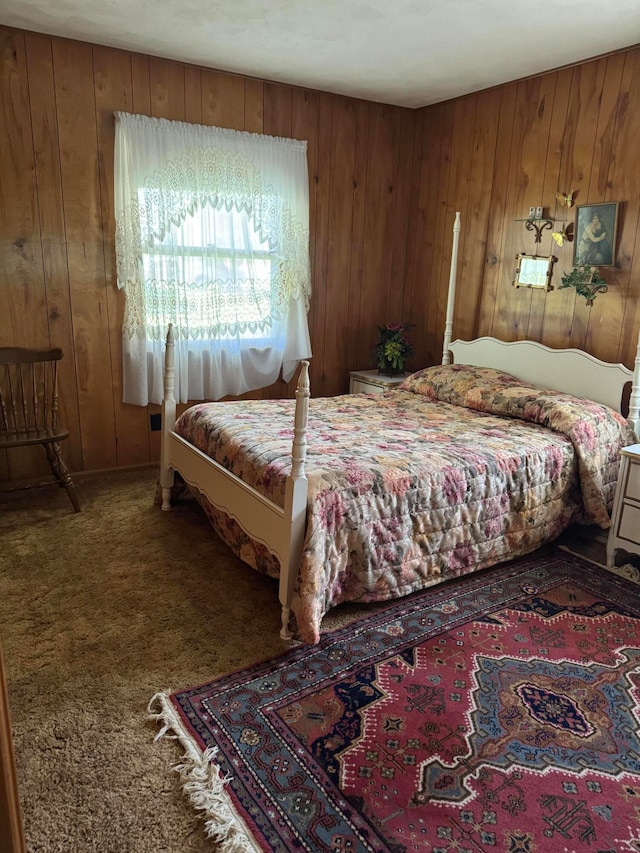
393,348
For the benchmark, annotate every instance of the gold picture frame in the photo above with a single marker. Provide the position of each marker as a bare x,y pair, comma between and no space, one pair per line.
596,232
534,271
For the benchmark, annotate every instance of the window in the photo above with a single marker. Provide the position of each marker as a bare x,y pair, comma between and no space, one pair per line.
211,235
213,274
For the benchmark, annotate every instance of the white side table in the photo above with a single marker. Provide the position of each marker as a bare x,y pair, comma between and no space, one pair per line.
624,532
372,382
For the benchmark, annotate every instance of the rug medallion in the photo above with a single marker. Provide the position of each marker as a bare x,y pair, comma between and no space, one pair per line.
500,712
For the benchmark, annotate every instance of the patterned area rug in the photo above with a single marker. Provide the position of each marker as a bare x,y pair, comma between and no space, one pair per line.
500,712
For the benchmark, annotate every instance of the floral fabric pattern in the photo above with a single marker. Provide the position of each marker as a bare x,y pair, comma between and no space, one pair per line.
404,490
596,431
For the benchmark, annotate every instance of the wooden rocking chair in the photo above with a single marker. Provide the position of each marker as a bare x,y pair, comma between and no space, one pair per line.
29,407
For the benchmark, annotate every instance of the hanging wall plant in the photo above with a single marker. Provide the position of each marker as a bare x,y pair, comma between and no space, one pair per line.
587,282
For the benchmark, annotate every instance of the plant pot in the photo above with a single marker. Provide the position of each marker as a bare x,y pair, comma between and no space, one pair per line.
387,369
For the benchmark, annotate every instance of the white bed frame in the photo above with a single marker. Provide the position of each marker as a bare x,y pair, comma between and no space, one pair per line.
281,530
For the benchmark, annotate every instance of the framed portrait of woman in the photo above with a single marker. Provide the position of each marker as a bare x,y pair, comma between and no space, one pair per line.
595,234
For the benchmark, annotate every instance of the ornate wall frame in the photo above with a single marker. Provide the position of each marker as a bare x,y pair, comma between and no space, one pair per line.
534,271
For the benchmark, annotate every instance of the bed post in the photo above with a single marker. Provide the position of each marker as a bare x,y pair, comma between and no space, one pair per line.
168,419
451,298
634,399
295,502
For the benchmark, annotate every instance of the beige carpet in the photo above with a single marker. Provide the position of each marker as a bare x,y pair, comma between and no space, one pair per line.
98,611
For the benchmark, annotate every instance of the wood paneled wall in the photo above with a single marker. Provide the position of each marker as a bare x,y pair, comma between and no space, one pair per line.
57,262
385,183
494,154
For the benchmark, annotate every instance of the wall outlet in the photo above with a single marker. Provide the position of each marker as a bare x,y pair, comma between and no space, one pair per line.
155,422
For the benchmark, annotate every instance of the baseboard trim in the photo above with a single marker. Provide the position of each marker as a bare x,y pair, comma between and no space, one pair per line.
77,476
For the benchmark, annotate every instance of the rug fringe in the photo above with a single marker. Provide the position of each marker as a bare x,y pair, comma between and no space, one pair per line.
201,780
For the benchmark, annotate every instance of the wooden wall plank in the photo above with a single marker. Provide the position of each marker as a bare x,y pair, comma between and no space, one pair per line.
463,133
114,91
52,234
413,189
22,293
341,188
574,173
540,299
378,226
358,353
422,238
612,95
84,229
193,94
24,310
623,185
498,222
141,84
529,142
473,262
223,100
586,320
167,80
403,211
254,105
320,245
442,240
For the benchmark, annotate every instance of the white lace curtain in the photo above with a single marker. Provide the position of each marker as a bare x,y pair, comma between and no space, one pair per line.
212,235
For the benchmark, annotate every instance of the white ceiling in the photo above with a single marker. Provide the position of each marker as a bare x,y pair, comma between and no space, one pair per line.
405,52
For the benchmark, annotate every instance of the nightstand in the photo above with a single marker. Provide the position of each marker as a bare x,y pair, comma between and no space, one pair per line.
624,532
372,382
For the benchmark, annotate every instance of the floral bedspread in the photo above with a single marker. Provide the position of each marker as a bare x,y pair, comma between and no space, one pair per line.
455,471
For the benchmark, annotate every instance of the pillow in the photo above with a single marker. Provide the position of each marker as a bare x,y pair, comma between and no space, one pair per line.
462,384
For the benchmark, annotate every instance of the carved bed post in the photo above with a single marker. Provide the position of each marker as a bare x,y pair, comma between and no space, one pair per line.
451,298
295,502
168,419
634,399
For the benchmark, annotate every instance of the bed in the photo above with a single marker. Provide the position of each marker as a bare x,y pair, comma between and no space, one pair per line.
467,464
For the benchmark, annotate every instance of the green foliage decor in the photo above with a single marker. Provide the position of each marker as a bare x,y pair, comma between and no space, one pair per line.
586,280
393,347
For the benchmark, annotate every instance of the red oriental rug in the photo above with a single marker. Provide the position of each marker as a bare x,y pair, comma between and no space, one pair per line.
500,712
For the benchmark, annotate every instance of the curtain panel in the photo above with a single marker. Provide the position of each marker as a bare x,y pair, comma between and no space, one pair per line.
212,235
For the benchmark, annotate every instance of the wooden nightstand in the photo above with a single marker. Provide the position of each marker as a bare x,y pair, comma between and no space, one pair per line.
624,532
372,382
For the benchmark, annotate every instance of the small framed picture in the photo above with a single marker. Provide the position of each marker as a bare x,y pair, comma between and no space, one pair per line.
595,235
534,271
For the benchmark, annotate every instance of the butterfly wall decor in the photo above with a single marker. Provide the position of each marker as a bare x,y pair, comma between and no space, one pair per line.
564,234
566,199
